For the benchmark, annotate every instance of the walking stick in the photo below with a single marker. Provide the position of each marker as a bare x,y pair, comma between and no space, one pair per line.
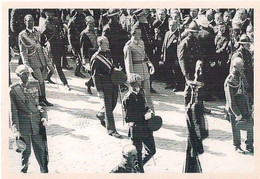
120,97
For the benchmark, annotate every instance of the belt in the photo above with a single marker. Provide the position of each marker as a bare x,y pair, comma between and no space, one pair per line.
138,62
28,115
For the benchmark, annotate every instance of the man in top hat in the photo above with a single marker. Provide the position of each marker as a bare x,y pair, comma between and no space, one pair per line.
147,35
189,53
116,36
29,119
75,26
172,72
88,46
243,52
101,65
135,108
237,103
52,33
136,61
129,161
32,54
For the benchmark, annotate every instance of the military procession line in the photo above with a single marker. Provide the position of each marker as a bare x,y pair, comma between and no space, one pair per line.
195,50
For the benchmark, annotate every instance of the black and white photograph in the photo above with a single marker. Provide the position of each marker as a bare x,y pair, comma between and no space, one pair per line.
130,90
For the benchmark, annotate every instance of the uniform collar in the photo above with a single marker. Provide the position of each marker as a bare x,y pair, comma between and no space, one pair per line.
22,84
30,30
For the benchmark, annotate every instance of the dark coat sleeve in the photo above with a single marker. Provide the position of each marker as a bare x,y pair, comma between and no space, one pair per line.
181,53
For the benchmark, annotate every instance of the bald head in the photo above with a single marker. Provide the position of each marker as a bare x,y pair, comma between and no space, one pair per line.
238,64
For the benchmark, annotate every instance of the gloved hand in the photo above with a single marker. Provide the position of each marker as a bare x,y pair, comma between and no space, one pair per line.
44,121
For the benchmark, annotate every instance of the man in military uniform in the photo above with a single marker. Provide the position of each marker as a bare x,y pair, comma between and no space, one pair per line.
188,52
29,119
101,65
244,52
147,35
129,161
33,56
237,104
88,46
136,61
75,27
53,34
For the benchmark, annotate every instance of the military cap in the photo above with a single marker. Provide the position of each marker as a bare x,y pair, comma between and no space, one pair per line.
22,68
113,12
129,150
244,39
138,12
154,123
133,78
204,22
193,27
236,25
19,145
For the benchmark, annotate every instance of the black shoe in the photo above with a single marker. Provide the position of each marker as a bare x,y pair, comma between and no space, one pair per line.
67,87
152,90
68,67
250,148
88,88
50,81
79,74
47,103
115,134
239,150
101,118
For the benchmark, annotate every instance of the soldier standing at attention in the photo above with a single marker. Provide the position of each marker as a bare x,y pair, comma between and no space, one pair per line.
136,61
29,119
237,103
101,65
33,56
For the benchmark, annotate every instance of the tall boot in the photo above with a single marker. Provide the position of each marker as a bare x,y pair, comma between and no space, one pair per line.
77,70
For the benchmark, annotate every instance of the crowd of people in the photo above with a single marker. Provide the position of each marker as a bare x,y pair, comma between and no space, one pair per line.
182,48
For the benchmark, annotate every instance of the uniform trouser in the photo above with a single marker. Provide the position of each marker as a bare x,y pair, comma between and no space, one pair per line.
110,100
187,95
237,136
40,150
145,85
192,163
150,150
78,63
40,74
57,62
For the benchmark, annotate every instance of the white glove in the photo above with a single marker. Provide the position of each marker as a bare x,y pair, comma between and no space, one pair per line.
16,132
44,121
149,114
151,71
238,118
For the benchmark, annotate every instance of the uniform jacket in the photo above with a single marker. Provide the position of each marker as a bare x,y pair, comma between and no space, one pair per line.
188,52
135,109
31,49
135,59
221,43
169,47
236,95
163,26
26,114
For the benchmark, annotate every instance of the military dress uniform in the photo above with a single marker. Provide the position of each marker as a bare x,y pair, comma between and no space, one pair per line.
53,33
101,65
237,103
188,52
26,117
136,62
33,55
135,108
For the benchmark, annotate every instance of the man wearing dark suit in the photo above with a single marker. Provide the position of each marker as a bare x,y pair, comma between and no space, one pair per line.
172,72
33,56
101,65
29,119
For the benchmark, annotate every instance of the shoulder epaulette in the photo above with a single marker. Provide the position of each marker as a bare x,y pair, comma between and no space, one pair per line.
14,85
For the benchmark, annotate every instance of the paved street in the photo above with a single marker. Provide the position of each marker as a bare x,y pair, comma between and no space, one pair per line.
79,144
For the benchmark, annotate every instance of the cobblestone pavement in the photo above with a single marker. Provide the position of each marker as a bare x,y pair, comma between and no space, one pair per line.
79,144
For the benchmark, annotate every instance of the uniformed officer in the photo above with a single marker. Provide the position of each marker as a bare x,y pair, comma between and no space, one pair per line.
101,65
244,52
53,34
136,61
129,161
237,103
33,56
188,52
88,46
75,26
29,119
